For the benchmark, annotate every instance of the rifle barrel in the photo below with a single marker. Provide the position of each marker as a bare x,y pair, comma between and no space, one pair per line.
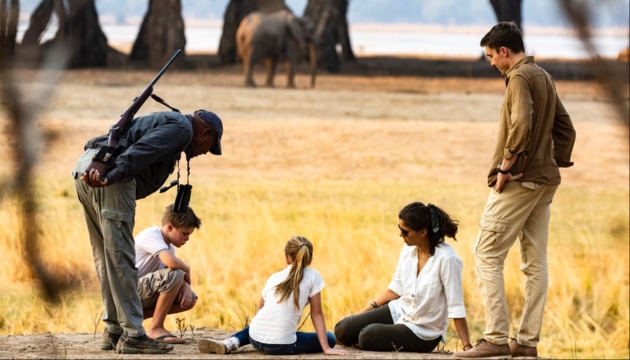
157,77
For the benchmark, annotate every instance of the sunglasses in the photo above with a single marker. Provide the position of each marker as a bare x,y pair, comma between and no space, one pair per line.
403,231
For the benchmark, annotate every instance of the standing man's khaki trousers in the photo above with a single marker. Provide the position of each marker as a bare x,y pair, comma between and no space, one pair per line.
520,209
109,213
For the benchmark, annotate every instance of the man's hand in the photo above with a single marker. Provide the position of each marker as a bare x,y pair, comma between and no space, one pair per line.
187,277
93,179
502,179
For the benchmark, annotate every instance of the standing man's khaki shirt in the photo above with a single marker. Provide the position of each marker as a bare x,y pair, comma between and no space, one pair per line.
534,126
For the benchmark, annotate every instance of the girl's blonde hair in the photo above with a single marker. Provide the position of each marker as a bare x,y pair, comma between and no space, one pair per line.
300,250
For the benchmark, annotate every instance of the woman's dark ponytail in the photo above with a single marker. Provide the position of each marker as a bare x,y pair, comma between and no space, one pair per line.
436,221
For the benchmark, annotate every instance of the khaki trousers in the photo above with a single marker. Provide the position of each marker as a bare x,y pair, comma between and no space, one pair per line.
521,210
109,214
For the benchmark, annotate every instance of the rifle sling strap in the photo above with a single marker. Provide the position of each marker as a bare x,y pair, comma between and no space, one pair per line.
161,101
105,155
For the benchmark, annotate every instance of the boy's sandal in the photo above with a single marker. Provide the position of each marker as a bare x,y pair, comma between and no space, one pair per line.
163,338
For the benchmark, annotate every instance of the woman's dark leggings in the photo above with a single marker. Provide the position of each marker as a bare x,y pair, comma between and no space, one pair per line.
375,331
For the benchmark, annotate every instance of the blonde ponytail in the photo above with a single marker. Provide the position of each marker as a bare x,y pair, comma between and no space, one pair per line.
300,250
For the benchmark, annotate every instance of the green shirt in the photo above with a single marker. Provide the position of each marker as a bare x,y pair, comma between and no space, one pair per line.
534,126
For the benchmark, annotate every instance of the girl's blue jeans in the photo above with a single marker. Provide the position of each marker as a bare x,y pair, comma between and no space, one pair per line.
306,343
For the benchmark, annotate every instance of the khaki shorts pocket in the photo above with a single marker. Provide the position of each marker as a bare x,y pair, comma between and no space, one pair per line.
152,285
489,232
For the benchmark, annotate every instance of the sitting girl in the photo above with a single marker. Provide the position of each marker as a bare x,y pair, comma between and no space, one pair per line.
274,328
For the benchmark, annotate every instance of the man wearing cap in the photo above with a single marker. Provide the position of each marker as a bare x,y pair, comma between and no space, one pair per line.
149,150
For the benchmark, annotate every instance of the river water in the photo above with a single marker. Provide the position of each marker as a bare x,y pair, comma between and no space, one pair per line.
371,41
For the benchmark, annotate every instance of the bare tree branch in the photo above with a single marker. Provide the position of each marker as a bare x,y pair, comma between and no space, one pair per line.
22,128
609,74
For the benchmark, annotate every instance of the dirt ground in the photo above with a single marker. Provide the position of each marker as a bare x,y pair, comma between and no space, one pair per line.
87,346
351,126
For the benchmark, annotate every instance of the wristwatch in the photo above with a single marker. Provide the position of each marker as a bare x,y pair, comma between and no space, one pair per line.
504,172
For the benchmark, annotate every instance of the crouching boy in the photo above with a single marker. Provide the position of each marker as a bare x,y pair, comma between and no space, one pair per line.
164,279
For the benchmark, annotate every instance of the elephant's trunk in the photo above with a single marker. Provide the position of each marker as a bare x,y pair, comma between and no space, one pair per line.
313,59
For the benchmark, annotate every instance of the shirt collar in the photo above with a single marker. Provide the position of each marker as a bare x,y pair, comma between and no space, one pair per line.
525,60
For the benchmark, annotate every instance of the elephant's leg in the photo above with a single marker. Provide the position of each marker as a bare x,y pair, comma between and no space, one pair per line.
290,73
248,67
271,70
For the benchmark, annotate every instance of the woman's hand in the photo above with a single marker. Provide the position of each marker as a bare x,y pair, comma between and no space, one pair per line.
330,351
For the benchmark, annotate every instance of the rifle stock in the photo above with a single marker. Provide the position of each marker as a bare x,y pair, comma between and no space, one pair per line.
100,161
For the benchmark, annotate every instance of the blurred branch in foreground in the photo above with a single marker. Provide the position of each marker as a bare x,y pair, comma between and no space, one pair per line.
612,78
21,113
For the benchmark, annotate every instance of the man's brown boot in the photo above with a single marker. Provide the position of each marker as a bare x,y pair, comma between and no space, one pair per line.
485,350
522,351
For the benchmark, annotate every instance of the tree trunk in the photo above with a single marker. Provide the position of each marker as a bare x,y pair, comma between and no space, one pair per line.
79,32
234,14
38,23
269,6
508,10
331,28
161,34
81,27
8,29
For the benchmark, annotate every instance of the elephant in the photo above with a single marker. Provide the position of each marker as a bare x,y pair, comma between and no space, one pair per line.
273,37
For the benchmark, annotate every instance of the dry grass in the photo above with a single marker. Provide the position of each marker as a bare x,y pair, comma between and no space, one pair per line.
336,165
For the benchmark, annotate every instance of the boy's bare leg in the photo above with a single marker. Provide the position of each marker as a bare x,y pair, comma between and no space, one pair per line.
175,308
162,308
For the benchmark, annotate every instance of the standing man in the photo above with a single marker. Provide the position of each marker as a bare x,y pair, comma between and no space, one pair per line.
149,149
535,138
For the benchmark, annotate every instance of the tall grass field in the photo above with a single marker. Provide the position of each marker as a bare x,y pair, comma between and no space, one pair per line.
352,225
334,164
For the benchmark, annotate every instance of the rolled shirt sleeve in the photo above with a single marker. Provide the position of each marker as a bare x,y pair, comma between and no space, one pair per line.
396,285
563,134
451,277
522,109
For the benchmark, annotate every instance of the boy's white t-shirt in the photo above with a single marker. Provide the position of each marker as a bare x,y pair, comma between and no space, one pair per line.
277,323
149,243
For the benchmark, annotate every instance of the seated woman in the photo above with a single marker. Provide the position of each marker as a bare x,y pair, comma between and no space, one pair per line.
274,328
412,314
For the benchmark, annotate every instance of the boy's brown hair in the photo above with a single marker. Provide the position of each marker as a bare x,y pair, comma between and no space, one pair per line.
181,220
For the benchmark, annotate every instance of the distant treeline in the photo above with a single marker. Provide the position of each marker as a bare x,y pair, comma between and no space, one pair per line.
606,13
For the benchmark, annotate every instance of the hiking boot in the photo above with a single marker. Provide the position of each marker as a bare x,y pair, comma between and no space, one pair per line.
220,347
109,340
485,350
141,345
522,351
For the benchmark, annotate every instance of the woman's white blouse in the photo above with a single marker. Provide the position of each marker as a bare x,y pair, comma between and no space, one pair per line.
428,300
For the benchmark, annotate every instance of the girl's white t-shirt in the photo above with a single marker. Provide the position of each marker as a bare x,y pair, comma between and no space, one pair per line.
276,323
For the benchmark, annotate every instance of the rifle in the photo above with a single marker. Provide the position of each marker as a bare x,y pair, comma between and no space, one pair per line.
100,161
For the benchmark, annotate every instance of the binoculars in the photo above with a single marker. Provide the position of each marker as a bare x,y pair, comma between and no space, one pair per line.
182,199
